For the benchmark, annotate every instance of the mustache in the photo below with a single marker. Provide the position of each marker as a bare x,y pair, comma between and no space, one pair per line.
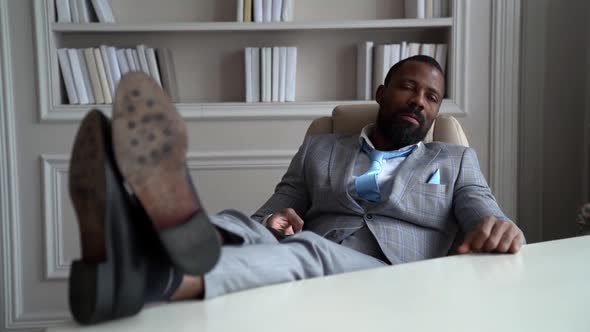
415,112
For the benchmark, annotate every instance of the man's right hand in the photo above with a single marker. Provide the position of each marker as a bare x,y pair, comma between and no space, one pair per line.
285,221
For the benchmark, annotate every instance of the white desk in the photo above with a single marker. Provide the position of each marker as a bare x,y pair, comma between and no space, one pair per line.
546,287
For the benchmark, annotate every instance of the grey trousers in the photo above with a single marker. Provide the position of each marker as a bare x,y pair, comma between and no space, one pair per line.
262,260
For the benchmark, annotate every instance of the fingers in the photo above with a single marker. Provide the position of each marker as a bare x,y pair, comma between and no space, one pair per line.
493,234
286,221
294,220
480,235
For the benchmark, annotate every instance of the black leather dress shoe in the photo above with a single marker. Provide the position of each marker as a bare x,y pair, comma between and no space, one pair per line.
109,281
150,144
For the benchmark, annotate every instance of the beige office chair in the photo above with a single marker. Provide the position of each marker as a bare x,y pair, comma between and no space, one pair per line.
350,119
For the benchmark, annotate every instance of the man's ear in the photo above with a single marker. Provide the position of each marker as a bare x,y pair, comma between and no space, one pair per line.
379,94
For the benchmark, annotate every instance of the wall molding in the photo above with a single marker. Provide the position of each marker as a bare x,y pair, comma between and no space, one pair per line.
504,103
55,168
11,276
530,183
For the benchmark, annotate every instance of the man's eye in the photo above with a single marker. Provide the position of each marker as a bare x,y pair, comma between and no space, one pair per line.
433,98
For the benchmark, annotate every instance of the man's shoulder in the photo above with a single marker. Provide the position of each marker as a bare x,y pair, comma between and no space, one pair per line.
330,139
447,148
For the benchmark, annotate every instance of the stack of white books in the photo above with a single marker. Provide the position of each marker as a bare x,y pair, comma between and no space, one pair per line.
264,10
426,8
84,11
374,61
271,74
91,75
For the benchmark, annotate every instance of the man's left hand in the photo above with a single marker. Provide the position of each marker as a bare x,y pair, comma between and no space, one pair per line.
493,235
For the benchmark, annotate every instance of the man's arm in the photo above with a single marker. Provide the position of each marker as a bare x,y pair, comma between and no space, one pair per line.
291,192
478,213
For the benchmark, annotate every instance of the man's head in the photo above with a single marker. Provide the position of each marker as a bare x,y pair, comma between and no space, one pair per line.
409,101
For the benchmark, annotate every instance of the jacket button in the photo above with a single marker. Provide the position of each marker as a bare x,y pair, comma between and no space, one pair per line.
369,216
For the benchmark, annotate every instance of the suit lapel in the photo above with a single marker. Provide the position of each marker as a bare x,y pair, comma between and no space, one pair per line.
408,171
342,163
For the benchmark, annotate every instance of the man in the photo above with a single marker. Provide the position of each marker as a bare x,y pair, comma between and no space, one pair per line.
346,203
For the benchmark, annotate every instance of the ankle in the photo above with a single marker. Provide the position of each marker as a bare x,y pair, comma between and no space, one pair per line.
191,287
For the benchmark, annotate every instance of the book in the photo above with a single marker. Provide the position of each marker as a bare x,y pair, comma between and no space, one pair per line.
267,10
437,11
78,78
68,77
266,77
94,75
277,10
282,73
153,64
364,70
248,74
429,9
287,13
135,56
395,54
168,73
257,11
108,68
247,10
440,54
86,76
256,66
115,70
143,63
428,49
386,60
379,66
415,8
445,11
403,50
84,11
74,11
63,11
240,11
275,75
413,49
103,11
122,62
130,62
291,79
102,74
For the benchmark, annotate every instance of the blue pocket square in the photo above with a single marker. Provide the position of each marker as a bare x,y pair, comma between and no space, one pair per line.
435,177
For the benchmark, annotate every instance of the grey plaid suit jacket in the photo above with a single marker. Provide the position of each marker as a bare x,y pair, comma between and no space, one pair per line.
418,221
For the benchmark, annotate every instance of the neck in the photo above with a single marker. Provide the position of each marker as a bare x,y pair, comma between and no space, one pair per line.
381,142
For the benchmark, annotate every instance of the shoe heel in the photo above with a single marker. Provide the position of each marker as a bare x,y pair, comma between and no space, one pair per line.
193,246
91,293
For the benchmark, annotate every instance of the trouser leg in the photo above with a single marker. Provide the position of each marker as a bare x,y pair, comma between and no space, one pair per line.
301,256
248,231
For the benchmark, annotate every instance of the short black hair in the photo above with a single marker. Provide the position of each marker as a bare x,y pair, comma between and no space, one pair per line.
419,58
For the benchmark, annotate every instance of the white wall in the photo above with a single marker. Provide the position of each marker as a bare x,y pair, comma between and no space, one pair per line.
555,91
37,287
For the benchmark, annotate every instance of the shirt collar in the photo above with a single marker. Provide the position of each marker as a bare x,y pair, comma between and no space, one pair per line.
368,129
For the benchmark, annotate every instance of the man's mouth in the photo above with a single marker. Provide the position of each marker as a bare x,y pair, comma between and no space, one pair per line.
410,118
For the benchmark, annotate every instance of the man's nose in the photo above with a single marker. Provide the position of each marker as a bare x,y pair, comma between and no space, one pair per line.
418,100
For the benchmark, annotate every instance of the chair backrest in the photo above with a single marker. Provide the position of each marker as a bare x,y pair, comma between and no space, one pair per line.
350,119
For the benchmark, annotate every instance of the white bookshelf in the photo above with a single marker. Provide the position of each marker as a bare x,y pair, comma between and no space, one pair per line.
208,52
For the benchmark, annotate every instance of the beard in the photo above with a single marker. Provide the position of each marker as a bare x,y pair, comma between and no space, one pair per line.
402,133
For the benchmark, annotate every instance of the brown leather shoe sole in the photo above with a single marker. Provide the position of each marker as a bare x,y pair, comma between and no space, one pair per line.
150,145
87,187
108,282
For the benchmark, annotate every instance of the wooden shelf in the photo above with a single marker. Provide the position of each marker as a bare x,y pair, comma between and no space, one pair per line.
240,26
